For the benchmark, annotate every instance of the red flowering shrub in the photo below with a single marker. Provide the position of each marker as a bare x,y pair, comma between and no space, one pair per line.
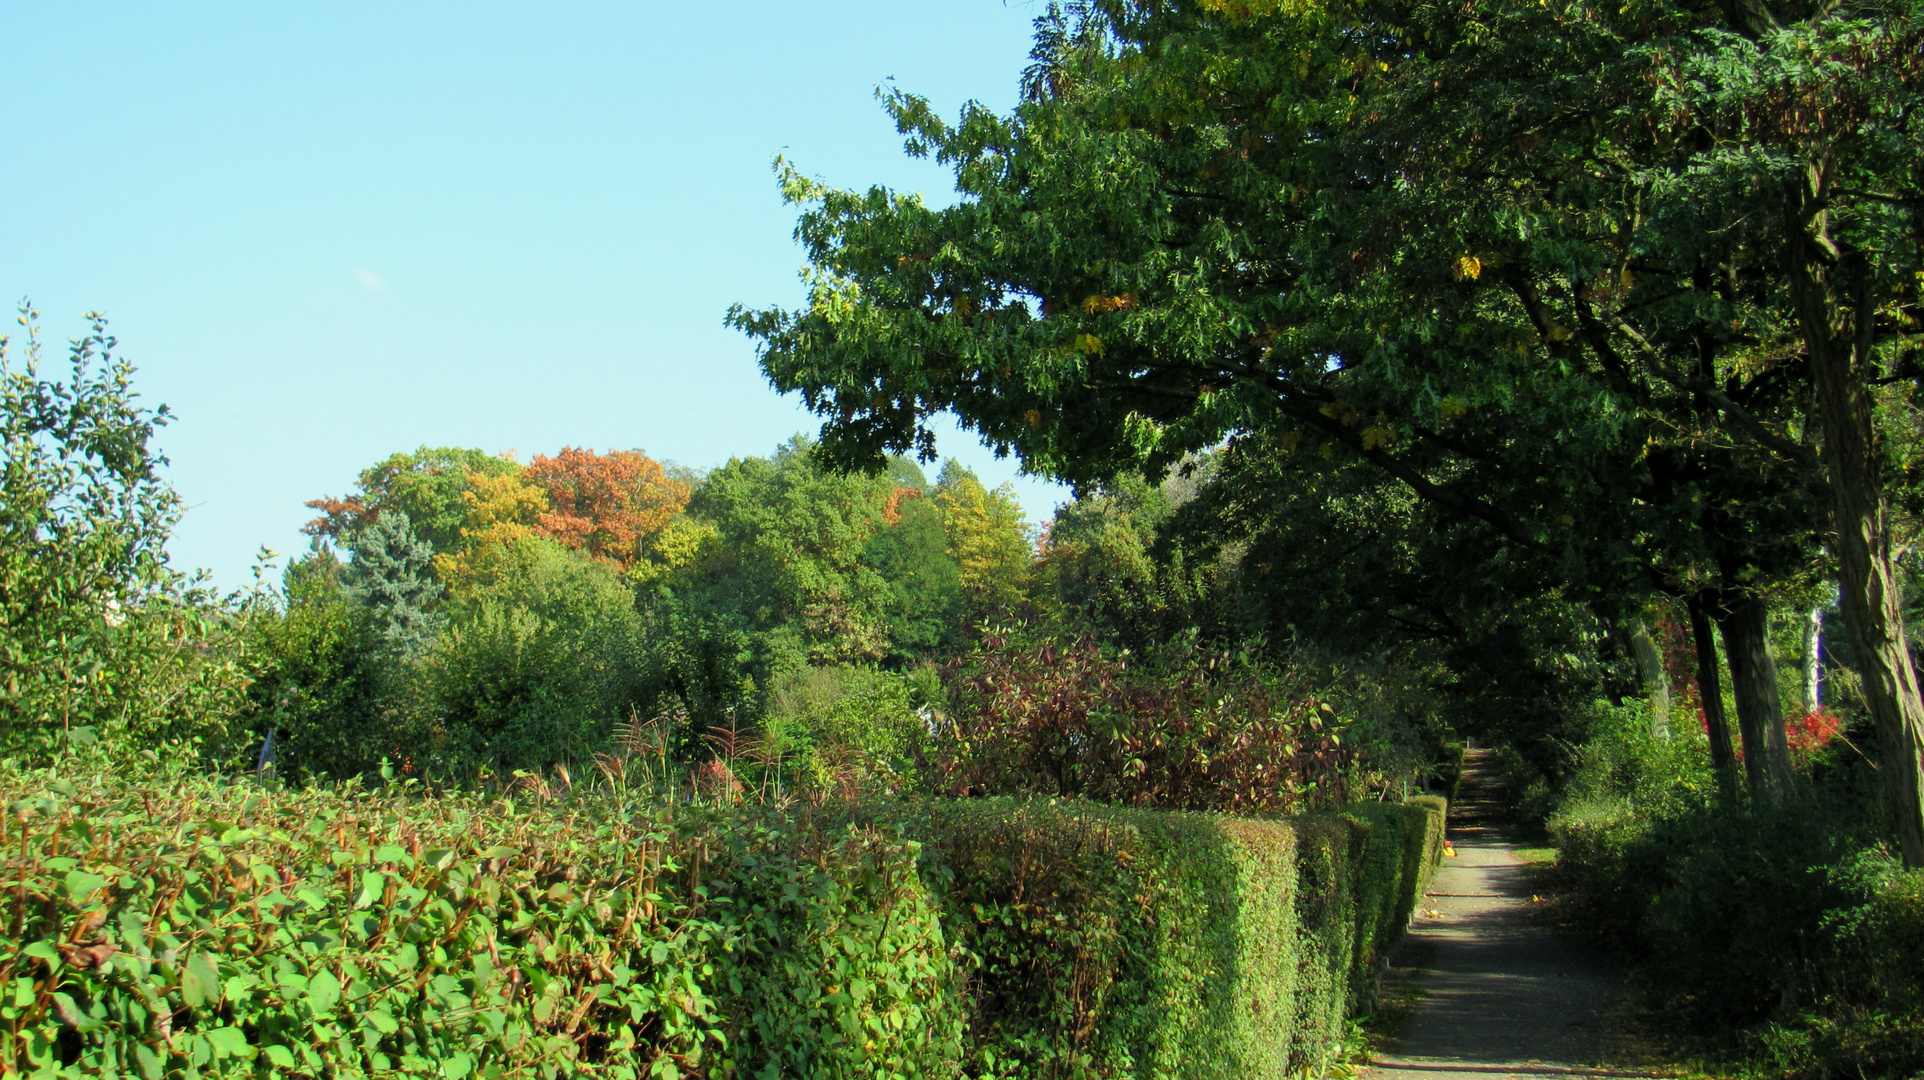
1811,731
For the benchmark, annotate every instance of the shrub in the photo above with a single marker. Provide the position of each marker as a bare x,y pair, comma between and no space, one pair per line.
1106,940
838,965
1788,929
1197,732
816,713
542,654
322,686
175,926
184,927
96,632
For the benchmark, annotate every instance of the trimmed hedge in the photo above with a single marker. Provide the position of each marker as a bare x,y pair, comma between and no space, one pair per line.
187,927
1107,941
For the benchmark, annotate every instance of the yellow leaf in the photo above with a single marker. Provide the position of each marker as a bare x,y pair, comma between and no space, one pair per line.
1468,268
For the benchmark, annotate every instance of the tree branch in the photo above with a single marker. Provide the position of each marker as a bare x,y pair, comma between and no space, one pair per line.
1802,455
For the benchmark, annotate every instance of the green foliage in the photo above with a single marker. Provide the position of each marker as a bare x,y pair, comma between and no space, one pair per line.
172,926
542,654
1109,941
391,577
839,966
1789,927
96,632
789,564
821,714
1102,560
181,927
924,603
320,678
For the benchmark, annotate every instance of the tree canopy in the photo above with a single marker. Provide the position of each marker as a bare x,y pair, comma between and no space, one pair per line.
1538,264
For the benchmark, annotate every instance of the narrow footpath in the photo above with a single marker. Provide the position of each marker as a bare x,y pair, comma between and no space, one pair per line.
1501,993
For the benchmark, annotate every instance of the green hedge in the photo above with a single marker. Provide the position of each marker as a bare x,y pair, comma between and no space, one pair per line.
1109,941
180,927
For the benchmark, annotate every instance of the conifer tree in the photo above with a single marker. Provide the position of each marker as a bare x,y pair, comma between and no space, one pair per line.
390,576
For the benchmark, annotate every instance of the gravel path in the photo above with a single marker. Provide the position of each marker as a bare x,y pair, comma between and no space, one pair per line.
1502,994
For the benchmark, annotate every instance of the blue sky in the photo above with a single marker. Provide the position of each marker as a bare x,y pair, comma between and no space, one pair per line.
329,232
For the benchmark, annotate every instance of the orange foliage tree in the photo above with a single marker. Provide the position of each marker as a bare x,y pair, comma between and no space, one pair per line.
608,505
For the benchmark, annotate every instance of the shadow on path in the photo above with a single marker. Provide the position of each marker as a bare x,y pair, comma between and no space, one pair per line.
1503,995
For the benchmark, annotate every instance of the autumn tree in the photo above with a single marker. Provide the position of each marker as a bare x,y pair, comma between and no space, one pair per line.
988,539
501,512
427,486
608,505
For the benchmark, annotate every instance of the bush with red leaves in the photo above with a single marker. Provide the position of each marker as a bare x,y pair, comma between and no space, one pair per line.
1203,732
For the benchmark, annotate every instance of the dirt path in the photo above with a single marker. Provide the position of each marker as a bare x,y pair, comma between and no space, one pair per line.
1500,994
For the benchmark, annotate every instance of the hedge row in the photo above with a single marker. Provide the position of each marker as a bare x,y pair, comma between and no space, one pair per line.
1110,941
198,928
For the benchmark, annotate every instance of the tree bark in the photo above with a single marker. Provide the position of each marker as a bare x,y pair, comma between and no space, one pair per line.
1656,681
1814,660
1832,291
1760,708
1710,690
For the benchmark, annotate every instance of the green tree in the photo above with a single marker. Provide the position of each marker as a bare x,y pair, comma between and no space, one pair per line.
989,541
322,685
789,559
391,577
96,631
428,485
1399,235
542,654
923,605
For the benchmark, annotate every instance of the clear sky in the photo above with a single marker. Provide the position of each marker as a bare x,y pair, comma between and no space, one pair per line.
327,232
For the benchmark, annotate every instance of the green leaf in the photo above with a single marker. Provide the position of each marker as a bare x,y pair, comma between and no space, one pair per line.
281,1056
382,1021
229,1042
81,885
200,981
373,883
323,992
74,1015
149,1062
457,1065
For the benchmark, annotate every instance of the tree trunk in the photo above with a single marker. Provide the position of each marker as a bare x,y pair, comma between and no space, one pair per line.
1814,661
1710,690
1760,708
1832,291
1656,681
